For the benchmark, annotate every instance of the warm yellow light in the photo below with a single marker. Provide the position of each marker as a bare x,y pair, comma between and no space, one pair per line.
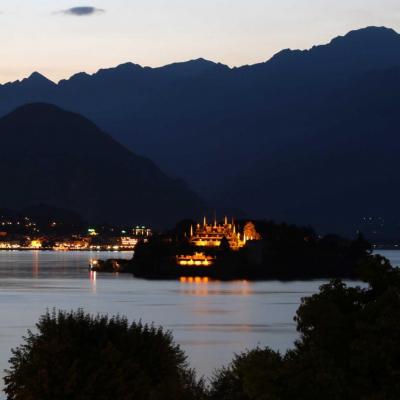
36,244
197,279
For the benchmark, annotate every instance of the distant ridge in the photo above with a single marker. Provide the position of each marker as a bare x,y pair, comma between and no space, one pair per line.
297,137
58,158
372,35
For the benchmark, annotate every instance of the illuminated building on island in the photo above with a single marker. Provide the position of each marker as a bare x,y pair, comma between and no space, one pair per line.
211,235
250,233
196,259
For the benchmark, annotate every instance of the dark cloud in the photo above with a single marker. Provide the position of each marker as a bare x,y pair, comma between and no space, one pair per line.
82,11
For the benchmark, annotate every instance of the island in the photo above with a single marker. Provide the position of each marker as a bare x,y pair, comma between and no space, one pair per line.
251,250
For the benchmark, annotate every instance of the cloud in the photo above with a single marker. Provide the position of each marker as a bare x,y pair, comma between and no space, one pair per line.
82,11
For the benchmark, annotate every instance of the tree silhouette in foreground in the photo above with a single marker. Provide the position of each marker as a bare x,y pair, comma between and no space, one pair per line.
349,347
76,356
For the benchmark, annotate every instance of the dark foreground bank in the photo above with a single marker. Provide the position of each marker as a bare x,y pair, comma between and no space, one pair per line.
348,348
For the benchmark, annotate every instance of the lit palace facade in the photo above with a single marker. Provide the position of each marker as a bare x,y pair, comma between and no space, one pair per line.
211,235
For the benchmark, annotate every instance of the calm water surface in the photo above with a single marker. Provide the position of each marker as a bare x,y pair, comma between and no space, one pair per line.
211,320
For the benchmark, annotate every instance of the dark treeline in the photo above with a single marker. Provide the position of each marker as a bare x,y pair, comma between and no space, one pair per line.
285,252
348,348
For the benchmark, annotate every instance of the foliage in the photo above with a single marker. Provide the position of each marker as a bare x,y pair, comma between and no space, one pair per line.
349,347
76,356
256,374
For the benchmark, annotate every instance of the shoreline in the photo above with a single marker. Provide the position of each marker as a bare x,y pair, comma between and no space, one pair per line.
200,275
69,251
197,278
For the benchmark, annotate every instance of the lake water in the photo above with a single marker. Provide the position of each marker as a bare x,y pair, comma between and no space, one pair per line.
211,320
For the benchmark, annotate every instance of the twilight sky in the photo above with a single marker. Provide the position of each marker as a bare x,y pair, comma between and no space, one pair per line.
61,37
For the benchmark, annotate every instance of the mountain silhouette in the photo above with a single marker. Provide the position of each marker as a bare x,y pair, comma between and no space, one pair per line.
61,159
288,138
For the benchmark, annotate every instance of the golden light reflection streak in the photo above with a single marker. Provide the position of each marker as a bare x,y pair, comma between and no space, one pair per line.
246,288
198,286
93,281
35,264
195,286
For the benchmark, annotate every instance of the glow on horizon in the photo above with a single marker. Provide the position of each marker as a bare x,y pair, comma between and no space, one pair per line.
42,36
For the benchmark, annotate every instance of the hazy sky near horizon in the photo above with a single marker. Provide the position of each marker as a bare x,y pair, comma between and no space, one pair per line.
61,37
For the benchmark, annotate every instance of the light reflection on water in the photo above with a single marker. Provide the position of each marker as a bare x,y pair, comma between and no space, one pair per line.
212,320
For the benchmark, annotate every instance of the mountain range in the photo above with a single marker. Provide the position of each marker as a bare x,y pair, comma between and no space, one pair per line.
52,157
307,136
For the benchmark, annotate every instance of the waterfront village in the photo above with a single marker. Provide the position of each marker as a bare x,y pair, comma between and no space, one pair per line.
27,233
